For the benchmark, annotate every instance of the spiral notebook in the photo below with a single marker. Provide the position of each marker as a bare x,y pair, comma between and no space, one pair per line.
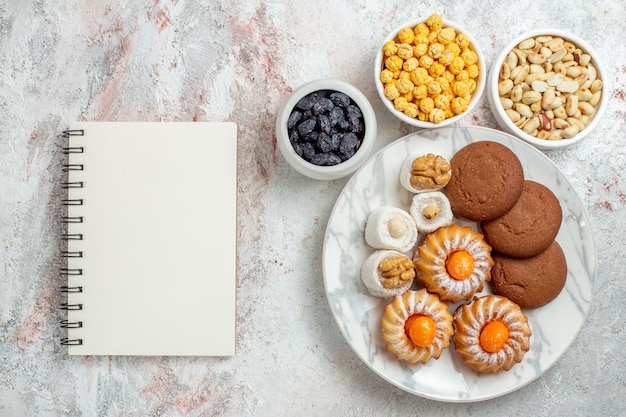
151,238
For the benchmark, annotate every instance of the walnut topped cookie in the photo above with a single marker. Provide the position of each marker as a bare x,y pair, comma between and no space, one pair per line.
425,173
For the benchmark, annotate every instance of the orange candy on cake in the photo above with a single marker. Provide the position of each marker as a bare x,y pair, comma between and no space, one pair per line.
416,326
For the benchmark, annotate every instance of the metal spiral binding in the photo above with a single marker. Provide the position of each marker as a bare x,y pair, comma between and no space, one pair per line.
71,271
72,219
67,272
72,236
71,342
71,289
73,132
66,324
72,202
73,307
73,167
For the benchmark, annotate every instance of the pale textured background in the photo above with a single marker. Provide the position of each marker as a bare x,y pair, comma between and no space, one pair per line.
174,60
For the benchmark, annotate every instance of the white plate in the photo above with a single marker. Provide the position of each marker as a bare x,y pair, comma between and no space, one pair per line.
358,314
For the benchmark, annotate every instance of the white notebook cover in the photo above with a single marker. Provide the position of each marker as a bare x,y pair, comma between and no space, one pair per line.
158,239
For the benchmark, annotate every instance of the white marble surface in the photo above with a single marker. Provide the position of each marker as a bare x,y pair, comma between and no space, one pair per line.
176,60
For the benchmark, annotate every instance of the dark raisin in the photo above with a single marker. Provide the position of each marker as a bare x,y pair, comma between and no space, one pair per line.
308,150
306,127
294,137
344,125
336,115
323,105
325,159
324,142
348,145
354,110
325,124
311,136
336,141
340,99
294,118
299,148
355,124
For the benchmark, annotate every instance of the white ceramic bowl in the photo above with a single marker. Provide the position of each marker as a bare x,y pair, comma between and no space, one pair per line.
507,124
475,96
334,171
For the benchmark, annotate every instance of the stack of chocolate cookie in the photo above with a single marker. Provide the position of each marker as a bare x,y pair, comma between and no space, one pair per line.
519,218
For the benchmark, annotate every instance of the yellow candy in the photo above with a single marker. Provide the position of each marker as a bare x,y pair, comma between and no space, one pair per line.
435,50
393,63
404,86
420,49
411,64
454,48
400,103
437,116
406,35
426,61
443,82
434,88
442,101
462,76
456,65
436,69
427,105
460,88
434,21
405,51
420,76
469,57
446,35
463,40
459,105
386,76
390,48
420,92
391,91
421,29
446,58
473,71
411,110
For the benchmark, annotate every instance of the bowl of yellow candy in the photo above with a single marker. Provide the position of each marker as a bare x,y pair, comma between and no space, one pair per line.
429,73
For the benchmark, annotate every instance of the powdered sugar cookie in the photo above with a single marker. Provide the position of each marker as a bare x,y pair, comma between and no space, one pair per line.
430,211
390,227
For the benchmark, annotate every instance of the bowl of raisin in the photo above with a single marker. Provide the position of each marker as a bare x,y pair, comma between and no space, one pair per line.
326,128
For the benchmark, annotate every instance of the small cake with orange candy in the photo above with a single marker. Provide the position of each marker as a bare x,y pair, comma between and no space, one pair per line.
491,334
416,326
454,262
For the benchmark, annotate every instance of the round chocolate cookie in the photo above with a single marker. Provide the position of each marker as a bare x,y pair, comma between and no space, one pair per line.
487,179
529,226
530,282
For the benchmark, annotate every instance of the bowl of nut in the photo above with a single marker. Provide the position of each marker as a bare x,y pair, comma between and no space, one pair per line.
547,88
326,129
429,73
